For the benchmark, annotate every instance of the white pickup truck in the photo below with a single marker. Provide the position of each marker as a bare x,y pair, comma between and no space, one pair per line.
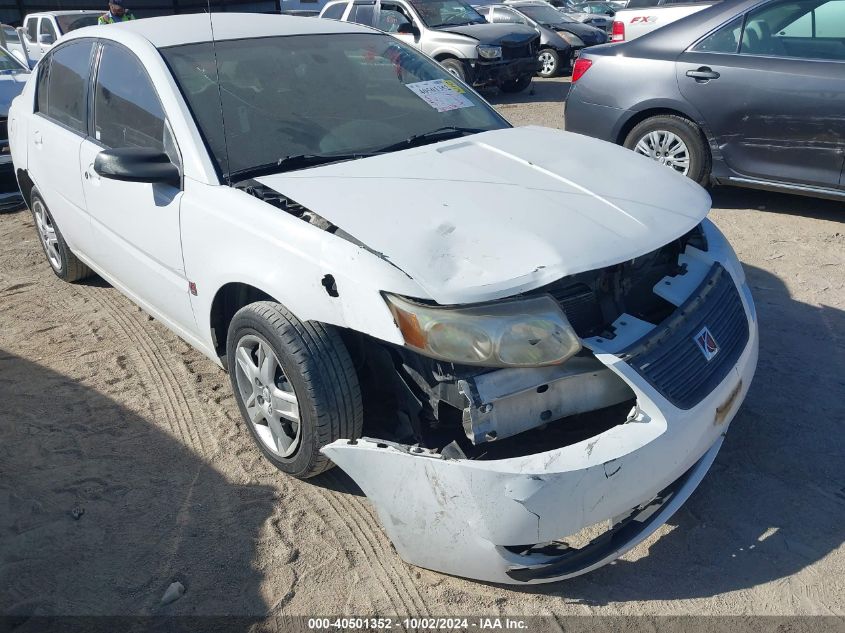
42,30
642,16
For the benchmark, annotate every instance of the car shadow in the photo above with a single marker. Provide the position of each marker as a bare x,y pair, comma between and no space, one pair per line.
104,510
774,501
773,202
541,91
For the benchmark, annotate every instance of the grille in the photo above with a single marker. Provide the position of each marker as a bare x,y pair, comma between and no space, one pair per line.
515,52
669,358
579,304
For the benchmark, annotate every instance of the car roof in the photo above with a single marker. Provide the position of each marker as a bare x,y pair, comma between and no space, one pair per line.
173,30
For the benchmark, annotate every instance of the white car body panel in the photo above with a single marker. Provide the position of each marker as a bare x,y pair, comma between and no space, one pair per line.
550,206
421,223
638,22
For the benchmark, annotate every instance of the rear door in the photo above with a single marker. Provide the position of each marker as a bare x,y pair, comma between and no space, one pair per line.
56,133
770,87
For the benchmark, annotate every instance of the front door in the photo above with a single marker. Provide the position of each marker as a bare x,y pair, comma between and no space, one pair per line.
771,89
135,225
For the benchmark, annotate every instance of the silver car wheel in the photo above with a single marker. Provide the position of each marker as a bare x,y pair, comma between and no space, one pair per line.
271,404
47,234
666,148
548,62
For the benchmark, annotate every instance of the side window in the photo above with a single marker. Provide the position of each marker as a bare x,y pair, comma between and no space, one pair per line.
830,20
506,16
42,85
127,112
32,29
362,14
724,40
335,11
46,28
70,68
390,20
798,29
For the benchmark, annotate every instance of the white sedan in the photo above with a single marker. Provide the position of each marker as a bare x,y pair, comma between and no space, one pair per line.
525,365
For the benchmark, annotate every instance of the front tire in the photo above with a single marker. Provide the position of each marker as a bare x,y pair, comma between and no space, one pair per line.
61,259
515,85
455,67
549,63
675,142
295,385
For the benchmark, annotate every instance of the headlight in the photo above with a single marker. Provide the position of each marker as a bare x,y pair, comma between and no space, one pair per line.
516,333
572,40
489,52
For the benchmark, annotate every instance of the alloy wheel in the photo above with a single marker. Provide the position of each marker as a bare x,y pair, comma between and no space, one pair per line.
271,404
666,148
47,234
547,62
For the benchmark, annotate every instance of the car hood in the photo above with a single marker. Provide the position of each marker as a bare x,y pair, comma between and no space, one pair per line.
589,34
11,86
515,34
502,212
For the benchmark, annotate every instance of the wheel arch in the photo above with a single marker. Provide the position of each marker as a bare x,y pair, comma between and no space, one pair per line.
657,110
26,185
228,299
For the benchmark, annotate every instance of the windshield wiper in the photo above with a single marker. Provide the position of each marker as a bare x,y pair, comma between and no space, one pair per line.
440,134
292,163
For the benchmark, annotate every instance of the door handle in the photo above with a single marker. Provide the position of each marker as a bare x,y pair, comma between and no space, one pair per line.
703,74
36,138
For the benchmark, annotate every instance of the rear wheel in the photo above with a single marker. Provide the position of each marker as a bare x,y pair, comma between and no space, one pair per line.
549,63
295,385
61,259
675,142
515,85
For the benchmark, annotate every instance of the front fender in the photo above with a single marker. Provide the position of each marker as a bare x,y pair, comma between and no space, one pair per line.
229,236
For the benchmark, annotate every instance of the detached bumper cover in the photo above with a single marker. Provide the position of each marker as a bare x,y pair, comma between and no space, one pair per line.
504,520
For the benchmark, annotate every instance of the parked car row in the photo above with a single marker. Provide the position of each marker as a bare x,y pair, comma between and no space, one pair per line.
453,33
744,93
561,38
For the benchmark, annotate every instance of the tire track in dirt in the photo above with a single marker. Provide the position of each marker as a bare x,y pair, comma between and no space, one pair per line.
372,557
357,518
175,403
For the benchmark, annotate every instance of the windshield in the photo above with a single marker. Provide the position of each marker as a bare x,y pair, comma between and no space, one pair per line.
68,23
442,13
318,95
543,14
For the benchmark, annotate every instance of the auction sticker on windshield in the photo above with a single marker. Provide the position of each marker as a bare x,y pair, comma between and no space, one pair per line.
441,94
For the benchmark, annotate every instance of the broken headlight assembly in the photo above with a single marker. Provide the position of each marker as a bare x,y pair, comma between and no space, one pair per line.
528,332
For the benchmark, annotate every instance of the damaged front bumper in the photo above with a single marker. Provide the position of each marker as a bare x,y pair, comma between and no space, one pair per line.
484,73
522,519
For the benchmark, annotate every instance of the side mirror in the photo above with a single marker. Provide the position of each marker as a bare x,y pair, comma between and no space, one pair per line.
137,164
46,39
408,29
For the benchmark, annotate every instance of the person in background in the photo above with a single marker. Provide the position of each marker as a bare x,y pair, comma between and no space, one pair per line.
117,13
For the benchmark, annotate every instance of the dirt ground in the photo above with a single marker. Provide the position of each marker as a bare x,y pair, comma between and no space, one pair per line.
124,465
